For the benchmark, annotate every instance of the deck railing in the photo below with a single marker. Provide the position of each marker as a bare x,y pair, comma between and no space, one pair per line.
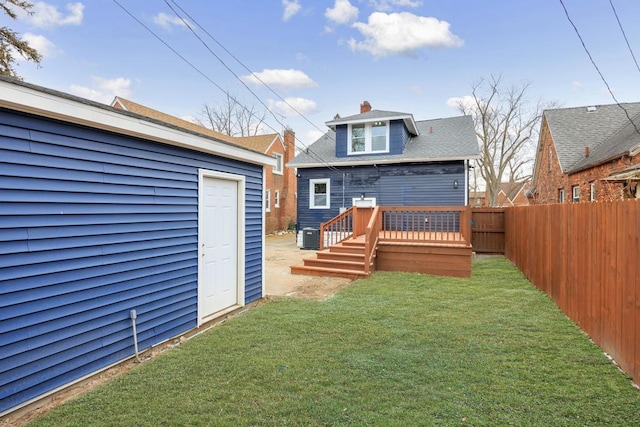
337,229
429,224
426,223
371,237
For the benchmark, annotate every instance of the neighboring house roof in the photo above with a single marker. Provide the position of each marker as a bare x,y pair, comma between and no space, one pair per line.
630,173
372,116
260,143
32,99
604,129
136,108
452,138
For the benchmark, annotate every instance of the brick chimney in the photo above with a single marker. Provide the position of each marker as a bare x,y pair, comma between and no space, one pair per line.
365,107
289,145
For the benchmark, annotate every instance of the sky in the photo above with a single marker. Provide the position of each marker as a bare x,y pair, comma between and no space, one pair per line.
326,57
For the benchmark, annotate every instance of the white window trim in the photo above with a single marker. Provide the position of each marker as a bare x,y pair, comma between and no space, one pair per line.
267,200
561,195
592,191
276,198
279,161
575,193
312,182
367,138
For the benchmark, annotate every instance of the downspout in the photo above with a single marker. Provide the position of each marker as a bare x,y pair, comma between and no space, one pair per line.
133,316
466,182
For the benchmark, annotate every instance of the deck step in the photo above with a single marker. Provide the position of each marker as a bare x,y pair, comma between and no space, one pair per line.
340,256
331,263
331,272
345,249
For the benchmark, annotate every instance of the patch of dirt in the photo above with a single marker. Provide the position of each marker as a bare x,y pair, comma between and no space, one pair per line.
281,254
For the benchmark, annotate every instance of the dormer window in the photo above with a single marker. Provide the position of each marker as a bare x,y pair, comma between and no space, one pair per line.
369,138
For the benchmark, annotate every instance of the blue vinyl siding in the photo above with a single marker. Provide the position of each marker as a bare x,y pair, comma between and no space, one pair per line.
425,184
92,225
398,137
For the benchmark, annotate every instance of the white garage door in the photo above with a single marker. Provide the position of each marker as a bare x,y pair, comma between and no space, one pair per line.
219,284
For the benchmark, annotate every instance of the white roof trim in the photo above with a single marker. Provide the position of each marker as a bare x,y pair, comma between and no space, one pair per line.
407,118
381,162
29,100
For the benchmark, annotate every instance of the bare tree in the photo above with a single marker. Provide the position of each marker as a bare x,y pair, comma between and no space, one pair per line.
233,118
507,125
10,42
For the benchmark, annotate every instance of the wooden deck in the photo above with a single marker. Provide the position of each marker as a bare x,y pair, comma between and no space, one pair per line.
444,253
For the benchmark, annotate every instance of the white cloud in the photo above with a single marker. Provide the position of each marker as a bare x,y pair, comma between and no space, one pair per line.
167,21
388,5
284,108
467,101
312,136
43,45
104,90
575,85
402,33
416,89
291,7
46,16
342,12
281,79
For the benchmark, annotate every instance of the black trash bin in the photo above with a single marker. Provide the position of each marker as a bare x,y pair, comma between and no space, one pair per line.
310,238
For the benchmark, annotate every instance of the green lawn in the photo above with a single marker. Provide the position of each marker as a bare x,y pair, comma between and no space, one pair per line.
395,349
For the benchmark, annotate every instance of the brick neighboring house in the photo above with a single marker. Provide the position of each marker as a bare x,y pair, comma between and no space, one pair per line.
510,194
586,154
279,183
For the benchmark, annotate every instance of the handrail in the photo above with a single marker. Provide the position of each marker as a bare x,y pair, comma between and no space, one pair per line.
371,237
337,229
438,224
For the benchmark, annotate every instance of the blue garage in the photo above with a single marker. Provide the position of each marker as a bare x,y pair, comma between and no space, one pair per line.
107,216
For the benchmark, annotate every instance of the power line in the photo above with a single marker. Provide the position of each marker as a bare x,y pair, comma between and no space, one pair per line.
624,34
307,149
243,65
598,69
188,25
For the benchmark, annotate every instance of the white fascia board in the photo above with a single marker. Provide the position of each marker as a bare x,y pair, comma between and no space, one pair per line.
369,162
32,101
407,118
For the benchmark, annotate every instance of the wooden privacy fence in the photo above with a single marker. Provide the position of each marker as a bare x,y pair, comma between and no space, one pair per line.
487,230
586,257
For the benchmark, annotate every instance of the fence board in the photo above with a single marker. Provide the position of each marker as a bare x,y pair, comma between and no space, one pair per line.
585,256
487,233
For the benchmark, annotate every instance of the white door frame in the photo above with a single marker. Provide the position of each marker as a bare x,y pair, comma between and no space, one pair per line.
240,181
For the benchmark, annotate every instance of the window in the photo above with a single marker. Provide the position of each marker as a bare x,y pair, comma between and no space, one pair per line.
276,198
575,194
319,193
267,201
278,167
592,191
369,138
561,195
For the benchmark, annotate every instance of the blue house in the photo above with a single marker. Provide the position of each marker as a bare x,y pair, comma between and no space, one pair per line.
384,158
109,220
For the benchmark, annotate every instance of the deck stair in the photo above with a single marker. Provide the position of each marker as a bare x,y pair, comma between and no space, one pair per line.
345,259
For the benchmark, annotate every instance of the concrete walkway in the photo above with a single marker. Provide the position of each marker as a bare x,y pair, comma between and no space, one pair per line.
281,253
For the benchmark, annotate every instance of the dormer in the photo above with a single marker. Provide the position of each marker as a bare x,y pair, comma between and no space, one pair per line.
372,132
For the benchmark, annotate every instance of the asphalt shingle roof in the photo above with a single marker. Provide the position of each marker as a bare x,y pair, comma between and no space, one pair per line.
605,129
452,138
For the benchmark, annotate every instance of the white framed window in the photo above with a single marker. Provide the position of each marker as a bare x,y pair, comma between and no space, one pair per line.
575,193
561,195
278,167
319,193
592,191
267,201
368,138
276,198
